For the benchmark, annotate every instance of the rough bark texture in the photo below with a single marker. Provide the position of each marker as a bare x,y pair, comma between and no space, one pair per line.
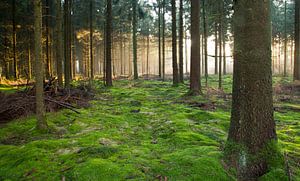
59,54
252,123
297,41
39,66
195,85
181,42
174,45
134,39
108,73
47,19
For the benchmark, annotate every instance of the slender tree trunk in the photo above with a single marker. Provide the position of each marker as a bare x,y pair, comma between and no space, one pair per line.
186,53
159,38
205,42
91,41
220,43
163,42
181,76
195,85
108,42
252,124
59,46
285,42
148,52
297,41
39,66
174,45
14,37
134,39
224,51
216,48
67,47
47,65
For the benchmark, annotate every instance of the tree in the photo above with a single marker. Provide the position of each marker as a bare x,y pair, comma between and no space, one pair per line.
159,37
108,26
59,53
39,66
134,38
205,41
163,40
297,41
195,85
16,73
252,127
181,42
67,43
174,45
91,41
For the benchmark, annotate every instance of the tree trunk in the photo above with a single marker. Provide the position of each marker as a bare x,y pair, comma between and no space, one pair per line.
134,39
195,85
108,42
224,51
159,38
39,66
91,41
220,43
59,46
285,42
297,42
47,65
67,47
163,41
15,70
174,45
181,76
205,42
148,52
252,124
216,48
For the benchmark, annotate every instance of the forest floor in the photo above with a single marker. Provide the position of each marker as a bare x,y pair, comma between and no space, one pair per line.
140,130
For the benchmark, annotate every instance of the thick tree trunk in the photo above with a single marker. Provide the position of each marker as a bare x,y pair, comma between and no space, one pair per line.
252,124
174,45
181,76
39,66
195,85
108,43
134,39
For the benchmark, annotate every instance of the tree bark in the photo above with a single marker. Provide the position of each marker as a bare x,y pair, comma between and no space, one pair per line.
174,45
205,42
181,76
195,85
108,38
216,48
163,41
159,38
91,41
252,124
39,66
14,38
59,45
134,39
67,47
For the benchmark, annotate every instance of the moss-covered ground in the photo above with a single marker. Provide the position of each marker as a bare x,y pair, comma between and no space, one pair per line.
139,130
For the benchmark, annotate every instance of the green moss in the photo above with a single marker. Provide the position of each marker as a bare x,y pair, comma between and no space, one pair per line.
165,138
